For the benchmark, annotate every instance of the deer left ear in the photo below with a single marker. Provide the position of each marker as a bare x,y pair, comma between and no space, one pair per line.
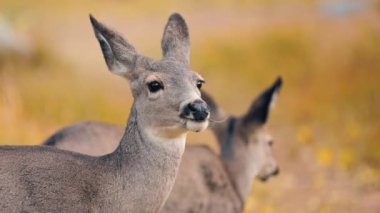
259,111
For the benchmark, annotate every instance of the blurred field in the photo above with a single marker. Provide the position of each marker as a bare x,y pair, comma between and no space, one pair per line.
326,122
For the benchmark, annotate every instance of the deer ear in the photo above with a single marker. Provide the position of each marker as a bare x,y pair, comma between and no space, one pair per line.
175,42
216,113
119,54
260,108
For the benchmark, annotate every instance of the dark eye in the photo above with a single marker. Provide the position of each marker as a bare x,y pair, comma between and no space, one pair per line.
270,143
200,83
154,86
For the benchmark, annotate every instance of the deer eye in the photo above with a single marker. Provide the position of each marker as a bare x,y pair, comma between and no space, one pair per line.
154,86
200,83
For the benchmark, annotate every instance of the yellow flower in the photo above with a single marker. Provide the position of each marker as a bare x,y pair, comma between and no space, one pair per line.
324,157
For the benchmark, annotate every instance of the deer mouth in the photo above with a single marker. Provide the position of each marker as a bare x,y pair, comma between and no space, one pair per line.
267,177
194,125
192,118
264,179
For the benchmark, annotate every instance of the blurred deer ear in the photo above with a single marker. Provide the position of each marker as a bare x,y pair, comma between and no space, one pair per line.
216,114
119,54
260,108
175,42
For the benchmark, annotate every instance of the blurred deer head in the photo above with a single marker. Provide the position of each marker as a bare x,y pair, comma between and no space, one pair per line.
246,146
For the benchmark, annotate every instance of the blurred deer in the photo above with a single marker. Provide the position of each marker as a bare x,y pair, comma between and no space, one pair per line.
139,174
206,182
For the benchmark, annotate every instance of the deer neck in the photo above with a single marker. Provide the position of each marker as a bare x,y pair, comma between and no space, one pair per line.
147,165
237,160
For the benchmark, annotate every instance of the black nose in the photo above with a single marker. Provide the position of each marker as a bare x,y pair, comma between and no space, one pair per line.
199,110
276,172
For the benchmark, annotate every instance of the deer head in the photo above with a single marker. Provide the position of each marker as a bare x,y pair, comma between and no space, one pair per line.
166,92
246,146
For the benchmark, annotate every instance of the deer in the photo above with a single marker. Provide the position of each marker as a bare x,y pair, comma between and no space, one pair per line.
140,173
206,181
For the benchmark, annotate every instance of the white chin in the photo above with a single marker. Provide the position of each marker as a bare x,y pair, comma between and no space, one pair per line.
196,126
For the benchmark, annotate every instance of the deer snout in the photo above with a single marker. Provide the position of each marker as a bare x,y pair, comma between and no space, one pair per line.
196,110
276,171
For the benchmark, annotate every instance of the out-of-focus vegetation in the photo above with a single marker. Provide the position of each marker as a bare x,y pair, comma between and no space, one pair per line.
326,122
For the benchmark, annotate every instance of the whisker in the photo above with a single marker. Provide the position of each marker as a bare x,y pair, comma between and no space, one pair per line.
218,121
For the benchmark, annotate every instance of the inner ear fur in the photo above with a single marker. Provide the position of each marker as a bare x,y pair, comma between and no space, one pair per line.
119,54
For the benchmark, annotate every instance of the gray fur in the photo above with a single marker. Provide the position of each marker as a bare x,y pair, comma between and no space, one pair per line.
77,136
176,43
138,174
250,153
205,182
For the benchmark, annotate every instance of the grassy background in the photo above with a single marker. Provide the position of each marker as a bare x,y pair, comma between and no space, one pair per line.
326,122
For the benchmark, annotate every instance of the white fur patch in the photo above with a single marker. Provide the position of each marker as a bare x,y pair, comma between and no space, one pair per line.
117,67
273,100
159,137
196,126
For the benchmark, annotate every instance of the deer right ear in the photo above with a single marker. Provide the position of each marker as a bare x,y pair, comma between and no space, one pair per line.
259,111
119,54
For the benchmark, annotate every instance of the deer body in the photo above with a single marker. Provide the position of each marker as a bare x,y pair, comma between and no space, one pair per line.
140,172
80,183
201,168
206,182
103,137
203,185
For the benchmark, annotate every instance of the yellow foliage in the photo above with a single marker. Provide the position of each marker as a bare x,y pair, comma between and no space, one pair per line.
319,181
353,129
324,157
368,178
305,135
268,209
347,159
250,205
